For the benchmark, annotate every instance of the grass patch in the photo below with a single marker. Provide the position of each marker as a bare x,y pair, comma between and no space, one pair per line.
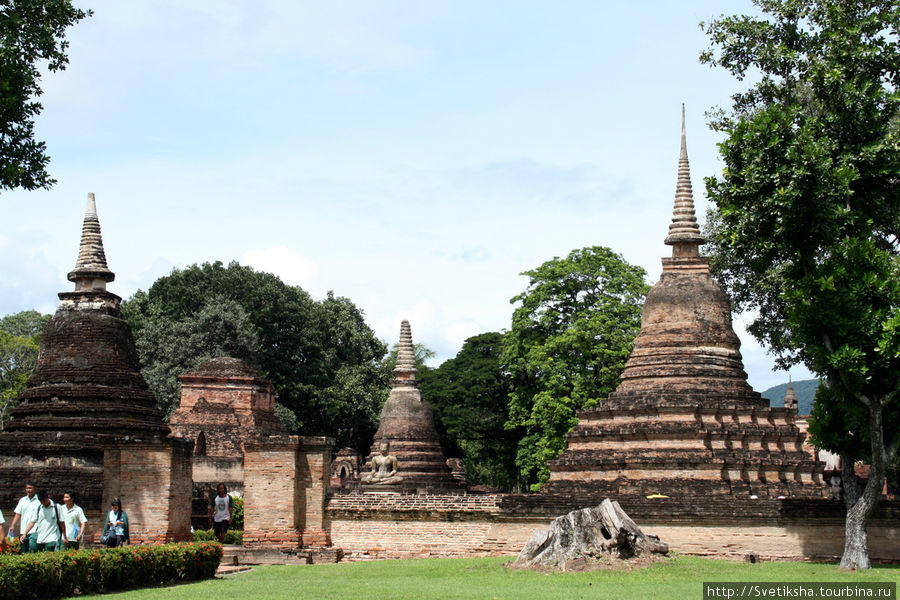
487,578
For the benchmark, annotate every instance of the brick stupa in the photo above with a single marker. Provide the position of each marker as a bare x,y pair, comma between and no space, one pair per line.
408,424
684,421
86,391
223,403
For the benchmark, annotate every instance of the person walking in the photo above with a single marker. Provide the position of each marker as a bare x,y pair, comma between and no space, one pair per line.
116,529
22,516
46,524
76,522
220,512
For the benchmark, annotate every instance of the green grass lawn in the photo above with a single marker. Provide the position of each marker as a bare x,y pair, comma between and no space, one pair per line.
467,578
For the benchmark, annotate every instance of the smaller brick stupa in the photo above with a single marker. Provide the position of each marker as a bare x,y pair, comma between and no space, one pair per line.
790,397
684,421
223,403
407,424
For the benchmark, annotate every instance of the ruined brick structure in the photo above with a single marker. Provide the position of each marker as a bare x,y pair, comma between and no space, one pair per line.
223,403
408,424
684,421
86,396
376,526
285,482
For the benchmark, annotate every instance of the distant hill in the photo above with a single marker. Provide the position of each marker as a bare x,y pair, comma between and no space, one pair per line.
805,390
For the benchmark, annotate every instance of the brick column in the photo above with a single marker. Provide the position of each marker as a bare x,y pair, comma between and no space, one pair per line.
153,480
285,478
314,479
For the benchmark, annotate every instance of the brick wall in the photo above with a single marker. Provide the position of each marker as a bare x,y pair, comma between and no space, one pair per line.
153,481
368,526
285,479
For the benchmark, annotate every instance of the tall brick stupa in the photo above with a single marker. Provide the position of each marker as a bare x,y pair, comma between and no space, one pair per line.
407,423
87,389
684,421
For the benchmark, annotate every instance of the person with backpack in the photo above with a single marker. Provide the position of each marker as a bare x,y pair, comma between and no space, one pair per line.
76,522
46,523
115,532
220,512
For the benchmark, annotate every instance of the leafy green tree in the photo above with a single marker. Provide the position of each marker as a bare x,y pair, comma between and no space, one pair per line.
28,323
469,394
805,224
20,338
567,347
221,327
33,34
322,358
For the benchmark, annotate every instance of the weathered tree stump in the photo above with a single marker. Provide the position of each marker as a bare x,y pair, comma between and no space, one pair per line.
588,532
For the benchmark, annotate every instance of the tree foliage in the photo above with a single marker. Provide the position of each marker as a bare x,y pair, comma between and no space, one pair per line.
321,356
469,394
570,337
33,34
805,224
20,339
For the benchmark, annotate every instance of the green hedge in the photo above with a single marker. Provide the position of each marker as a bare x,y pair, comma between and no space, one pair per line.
47,575
208,535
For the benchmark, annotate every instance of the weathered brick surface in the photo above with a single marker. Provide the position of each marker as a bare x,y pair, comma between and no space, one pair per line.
223,403
368,526
153,481
285,478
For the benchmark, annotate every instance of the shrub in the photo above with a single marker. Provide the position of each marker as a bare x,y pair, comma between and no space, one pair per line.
208,535
237,513
58,574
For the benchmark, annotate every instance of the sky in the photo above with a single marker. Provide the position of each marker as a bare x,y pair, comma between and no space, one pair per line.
414,156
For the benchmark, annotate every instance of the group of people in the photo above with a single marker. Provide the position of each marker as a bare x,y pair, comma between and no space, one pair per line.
43,525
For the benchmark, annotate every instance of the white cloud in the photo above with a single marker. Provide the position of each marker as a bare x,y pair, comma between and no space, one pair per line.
292,267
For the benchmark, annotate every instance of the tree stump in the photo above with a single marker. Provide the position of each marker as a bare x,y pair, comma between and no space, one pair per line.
589,532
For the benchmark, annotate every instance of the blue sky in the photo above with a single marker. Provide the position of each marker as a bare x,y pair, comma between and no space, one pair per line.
413,156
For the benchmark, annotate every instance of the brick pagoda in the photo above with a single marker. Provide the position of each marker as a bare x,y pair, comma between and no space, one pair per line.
684,421
87,399
408,424
88,381
223,403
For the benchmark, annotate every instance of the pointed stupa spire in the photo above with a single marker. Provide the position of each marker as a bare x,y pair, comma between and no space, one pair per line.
684,233
790,397
405,370
91,271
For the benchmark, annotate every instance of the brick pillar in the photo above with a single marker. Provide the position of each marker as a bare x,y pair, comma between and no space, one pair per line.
314,480
153,480
285,478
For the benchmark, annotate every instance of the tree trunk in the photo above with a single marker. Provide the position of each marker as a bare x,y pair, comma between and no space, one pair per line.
856,539
848,480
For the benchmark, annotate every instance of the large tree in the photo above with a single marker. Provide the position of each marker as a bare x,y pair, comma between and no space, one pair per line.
20,339
322,357
33,37
807,210
469,394
570,337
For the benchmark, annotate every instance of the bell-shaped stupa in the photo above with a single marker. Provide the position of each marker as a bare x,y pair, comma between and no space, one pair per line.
683,420
407,425
88,380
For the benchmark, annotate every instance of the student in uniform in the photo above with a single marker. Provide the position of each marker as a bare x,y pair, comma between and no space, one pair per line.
46,526
116,528
22,515
76,522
